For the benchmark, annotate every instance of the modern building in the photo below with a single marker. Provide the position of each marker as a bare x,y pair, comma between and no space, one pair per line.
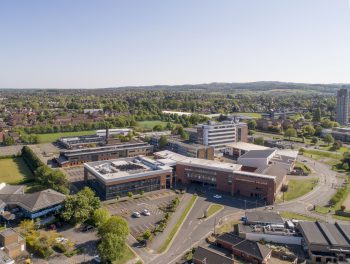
338,133
342,107
249,251
81,141
12,243
116,178
14,203
123,150
326,242
263,218
238,149
185,148
221,134
228,177
113,132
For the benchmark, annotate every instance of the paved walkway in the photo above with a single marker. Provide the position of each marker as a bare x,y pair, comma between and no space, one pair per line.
158,241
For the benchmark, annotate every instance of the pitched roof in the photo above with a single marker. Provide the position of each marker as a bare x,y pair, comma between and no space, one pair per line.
33,202
209,256
251,248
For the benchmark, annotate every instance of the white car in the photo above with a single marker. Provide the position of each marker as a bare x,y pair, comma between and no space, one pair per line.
146,212
61,240
136,214
216,196
97,259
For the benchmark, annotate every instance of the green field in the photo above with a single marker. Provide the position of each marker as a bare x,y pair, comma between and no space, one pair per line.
14,171
297,188
253,115
150,124
52,137
291,215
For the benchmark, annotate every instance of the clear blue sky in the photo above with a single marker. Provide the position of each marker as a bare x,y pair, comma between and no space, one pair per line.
107,43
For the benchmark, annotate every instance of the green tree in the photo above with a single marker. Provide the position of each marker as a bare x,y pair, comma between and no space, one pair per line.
308,130
290,132
316,117
80,207
259,141
101,216
111,248
314,140
163,141
9,141
115,225
252,124
328,139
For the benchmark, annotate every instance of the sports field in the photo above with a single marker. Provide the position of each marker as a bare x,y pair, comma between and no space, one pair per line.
14,171
151,124
52,137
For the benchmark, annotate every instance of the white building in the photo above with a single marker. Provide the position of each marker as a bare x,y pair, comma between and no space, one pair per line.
221,134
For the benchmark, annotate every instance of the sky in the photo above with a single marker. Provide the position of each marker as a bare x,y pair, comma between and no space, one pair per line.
112,43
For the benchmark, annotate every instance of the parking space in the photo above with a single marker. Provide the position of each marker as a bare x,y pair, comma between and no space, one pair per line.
152,202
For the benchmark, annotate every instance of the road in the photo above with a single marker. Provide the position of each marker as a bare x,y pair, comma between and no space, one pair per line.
320,195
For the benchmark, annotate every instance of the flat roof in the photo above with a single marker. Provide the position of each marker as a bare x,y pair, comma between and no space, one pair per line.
167,154
288,153
127,168
211,164
264,217
246,146
258,154
258,175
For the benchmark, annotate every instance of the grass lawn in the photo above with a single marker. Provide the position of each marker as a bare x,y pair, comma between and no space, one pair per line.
323,154
128,255
52,137
178,224
297,188
291,215
213,209
322,209
14,171
253,115
342,218
227,227
150,124
341,150
302,166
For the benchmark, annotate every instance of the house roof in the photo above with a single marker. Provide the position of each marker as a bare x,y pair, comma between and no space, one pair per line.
258,154
33,202
209,256
264,217
251,248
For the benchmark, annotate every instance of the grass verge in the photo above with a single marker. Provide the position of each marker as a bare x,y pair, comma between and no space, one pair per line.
151,124
178,224
213,209
298,188
128,255
227,227
291,215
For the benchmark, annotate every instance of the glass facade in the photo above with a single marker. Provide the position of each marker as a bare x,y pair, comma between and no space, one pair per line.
122,189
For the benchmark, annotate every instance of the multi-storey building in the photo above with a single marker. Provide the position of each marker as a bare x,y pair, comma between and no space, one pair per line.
116,178
219,135
342,108
79,156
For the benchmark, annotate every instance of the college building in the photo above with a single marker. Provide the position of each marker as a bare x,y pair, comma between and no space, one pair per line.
116,178
123,150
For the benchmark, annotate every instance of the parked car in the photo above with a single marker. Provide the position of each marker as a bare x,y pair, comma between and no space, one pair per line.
146,212
97,259
88,228
136,214
61,240
217,196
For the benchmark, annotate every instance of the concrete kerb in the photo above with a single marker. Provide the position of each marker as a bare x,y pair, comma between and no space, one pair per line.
178,230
